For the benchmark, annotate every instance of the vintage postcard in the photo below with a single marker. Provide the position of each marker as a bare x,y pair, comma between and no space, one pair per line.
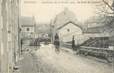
56,36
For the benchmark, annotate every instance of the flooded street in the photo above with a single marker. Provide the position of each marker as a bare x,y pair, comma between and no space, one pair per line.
46,60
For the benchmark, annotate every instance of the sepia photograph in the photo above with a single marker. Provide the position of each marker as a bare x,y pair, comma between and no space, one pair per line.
56,36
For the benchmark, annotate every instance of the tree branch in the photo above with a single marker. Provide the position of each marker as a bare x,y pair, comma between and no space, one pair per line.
108,5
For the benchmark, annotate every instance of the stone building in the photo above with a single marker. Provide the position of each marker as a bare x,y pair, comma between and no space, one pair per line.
9,50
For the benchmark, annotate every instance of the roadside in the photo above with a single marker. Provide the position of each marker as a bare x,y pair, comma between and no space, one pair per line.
26,64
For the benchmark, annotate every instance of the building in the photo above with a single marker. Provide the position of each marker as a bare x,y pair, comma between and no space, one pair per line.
9,50
103,32
0,33
67,26
27,31
27,27
68,30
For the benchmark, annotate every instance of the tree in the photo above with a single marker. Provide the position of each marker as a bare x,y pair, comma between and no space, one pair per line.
106,7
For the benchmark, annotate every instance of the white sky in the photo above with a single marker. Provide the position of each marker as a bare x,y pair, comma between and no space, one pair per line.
44,12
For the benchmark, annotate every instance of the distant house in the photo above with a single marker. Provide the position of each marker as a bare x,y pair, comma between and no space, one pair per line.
67,26
68,30
27,27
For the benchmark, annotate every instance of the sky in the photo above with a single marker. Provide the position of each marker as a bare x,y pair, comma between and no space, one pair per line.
45,10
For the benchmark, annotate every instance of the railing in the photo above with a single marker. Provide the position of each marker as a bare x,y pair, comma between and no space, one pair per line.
102,53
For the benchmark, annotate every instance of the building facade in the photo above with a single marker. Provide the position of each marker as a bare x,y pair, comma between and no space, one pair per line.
27,27
68,30
9,18
0,36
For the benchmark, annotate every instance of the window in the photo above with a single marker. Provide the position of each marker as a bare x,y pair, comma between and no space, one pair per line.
28,29
20,29
68,30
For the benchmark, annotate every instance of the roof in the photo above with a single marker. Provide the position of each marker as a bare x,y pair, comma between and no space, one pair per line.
68,23
27,21
94,30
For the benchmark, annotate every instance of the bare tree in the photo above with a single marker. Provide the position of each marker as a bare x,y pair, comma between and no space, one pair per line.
110,6
105,7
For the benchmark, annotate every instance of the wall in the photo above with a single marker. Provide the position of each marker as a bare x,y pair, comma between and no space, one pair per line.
25,33
66,33
31,29
9,16
0,36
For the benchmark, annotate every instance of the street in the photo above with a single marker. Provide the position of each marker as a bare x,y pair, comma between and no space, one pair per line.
46,60
57,36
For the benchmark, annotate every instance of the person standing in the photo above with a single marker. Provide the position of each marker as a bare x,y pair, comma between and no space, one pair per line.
21,46
73,43
57,43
